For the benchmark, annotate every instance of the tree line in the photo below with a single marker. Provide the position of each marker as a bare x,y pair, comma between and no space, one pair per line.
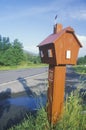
81,60
12,53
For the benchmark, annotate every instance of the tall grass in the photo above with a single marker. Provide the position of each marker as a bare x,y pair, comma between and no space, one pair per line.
71,119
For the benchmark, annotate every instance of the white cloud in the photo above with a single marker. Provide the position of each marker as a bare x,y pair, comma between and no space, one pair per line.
83,42
54,7
78,14
26,12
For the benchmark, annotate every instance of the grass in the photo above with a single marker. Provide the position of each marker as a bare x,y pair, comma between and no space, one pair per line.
25,66
71,119
81,69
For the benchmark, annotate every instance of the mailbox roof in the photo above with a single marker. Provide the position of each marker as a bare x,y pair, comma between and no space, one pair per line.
53,37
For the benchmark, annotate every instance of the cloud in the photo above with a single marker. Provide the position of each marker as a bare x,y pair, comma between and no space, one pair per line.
61,8
30,11
22,14
78,14
83,42
12,14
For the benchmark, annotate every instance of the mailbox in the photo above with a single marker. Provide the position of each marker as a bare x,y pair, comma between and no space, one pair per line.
61,47
57,50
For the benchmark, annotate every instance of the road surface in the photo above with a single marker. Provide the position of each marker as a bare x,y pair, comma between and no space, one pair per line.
6,76
23,80
19,80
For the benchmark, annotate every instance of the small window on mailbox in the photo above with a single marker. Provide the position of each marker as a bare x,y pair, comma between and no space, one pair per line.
50,54
41,54
68,54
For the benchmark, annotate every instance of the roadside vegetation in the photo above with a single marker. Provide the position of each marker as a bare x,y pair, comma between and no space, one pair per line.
73,117
81,69
81,65
25,66
12,55
81,60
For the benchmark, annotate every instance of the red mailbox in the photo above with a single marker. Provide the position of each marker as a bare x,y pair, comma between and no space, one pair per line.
61,47
58,50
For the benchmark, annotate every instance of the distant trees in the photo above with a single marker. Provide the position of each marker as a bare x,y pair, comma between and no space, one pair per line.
12,53
82,60
31,58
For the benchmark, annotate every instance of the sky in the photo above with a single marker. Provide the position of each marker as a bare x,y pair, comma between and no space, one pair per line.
31,21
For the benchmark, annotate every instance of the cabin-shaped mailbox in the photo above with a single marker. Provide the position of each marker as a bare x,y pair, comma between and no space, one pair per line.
61,47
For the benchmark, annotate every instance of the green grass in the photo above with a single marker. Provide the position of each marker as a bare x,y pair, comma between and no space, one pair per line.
81,69
71,119
25,66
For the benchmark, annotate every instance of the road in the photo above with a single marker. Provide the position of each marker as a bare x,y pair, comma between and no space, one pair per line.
19,80
7,76
32,80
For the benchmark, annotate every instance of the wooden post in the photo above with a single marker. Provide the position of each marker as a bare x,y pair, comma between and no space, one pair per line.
56,78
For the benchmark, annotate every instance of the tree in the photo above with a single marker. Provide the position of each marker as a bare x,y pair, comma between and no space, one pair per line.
8,57
10,53
81,60
5,43
18,54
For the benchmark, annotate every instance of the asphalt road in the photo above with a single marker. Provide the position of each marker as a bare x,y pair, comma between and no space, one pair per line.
7,76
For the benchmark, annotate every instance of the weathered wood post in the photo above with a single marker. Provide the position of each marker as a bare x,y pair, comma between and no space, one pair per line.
58,50
56,80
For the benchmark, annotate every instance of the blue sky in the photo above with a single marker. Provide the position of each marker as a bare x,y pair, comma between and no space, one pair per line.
31,21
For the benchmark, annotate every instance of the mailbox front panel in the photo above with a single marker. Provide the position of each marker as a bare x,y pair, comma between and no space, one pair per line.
47,54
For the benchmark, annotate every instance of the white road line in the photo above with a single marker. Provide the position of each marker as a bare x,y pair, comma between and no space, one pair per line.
10,82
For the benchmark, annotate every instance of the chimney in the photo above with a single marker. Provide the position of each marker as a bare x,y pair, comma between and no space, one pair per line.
57,28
